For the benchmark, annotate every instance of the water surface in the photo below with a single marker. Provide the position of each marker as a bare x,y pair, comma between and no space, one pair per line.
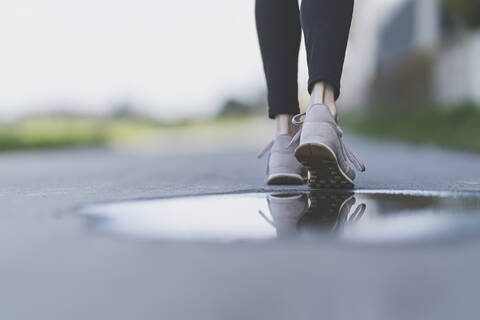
365,217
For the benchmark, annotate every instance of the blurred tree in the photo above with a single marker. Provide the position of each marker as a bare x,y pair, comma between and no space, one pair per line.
254,105
123,109
234,107
464,13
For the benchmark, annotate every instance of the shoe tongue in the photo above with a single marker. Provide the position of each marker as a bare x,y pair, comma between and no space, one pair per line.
321,112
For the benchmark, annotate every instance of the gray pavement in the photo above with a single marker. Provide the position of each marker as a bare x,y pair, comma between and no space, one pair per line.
54,267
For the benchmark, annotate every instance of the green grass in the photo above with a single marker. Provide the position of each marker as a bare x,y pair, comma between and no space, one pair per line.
67,131
59,131
456,127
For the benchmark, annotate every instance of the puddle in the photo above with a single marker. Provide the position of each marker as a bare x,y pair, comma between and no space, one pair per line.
367,217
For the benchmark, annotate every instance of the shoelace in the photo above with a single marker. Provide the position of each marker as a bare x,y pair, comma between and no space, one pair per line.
350,218
358,213
267,148
264,216
346,151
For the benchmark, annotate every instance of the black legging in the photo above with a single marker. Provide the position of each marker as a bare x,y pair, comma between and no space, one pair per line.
325,23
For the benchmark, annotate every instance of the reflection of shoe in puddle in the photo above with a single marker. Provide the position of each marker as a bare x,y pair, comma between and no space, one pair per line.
313,212
330,212
286,210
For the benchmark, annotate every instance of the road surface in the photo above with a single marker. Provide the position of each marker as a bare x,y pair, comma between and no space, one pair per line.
54,267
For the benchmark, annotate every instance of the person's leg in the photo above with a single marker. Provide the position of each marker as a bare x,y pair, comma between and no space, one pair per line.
326,25
279,34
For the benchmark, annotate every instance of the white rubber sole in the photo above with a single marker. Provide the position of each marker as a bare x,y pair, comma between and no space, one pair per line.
285,179
322,165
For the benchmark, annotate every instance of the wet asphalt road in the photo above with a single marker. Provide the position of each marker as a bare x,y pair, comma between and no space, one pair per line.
53,267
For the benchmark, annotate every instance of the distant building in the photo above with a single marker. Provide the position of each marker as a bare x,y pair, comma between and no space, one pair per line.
456,72
418,60
361,58
414,27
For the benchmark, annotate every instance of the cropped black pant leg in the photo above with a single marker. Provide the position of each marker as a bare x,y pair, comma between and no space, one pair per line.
326,25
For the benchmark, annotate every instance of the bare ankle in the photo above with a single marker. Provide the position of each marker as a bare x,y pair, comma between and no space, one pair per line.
284,124
324,93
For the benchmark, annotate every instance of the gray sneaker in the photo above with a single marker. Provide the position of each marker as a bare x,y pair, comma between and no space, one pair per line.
322,151
282,167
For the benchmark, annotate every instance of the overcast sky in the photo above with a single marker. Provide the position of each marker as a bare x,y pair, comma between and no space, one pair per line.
173,58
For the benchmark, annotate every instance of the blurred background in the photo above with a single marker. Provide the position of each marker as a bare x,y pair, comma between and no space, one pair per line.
156,75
